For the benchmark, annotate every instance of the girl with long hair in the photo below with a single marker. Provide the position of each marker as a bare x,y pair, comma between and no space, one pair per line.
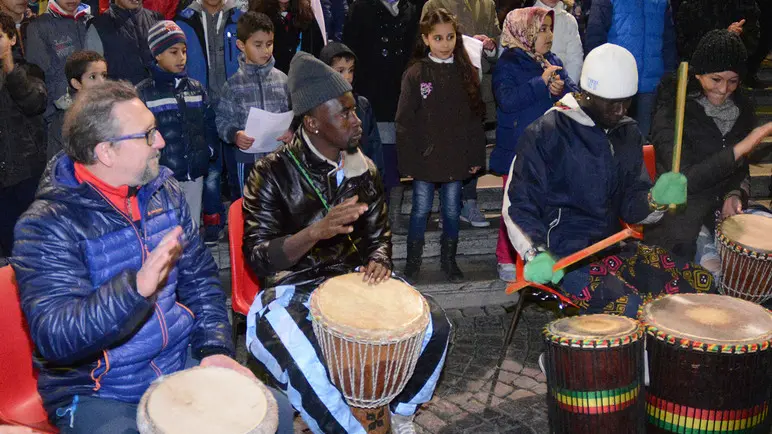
294,26
440,137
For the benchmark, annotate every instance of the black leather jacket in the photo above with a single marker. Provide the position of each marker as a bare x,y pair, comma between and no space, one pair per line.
279,202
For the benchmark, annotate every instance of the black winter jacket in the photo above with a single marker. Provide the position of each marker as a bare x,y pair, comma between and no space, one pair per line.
279,202
707,161
23,100
695,18
124,40
287,37
185,120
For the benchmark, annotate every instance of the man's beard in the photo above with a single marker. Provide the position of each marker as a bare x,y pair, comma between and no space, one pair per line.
352,146
149,173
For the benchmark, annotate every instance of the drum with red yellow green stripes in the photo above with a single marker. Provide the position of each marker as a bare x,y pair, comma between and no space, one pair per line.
710,365
594,367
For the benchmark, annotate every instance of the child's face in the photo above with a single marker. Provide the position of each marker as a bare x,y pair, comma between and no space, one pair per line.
5,44
96,73
17,7
174,58
258,49
344,67
441,40
543,42
69,6
129,4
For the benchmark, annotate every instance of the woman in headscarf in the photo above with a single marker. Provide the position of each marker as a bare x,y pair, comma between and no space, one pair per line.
527,81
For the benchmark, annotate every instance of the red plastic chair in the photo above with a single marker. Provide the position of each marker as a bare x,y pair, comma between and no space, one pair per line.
650,160
20,403
244,282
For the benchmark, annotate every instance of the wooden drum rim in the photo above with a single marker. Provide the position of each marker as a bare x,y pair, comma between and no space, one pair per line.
597,341
762,341
736,246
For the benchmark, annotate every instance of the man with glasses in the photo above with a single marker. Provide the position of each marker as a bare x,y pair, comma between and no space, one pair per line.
116,285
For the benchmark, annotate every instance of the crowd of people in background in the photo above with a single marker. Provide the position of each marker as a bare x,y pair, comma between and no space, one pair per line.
201,65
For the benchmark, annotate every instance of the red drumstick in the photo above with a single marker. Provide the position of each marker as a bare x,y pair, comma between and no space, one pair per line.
581,254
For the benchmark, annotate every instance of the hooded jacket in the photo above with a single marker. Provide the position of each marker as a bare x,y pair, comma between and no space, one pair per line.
279,202
572,182
707,161
76,259
566,44
185,120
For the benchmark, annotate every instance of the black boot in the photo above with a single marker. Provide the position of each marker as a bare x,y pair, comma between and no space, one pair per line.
415,252
448,263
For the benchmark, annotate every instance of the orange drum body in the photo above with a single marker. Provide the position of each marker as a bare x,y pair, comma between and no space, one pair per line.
371,337
710,365
594,367
744,242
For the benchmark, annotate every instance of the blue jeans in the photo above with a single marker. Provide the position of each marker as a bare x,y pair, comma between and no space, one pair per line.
450,208
644,104
211,202
92,415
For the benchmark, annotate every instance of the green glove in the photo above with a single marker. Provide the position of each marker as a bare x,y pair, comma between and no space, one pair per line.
670,189
539,269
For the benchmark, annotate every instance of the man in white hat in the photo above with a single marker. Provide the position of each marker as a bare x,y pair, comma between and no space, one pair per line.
579,172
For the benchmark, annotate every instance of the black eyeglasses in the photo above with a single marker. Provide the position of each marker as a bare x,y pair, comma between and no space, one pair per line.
148,135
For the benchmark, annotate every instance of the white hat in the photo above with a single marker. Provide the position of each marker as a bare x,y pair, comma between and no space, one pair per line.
610,72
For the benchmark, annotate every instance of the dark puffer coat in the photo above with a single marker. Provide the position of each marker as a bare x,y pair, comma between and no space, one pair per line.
707,161
185,120
76,259
279,202
22,138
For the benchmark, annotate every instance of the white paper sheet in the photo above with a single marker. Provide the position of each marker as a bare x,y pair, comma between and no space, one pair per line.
316,7
474,49
265,127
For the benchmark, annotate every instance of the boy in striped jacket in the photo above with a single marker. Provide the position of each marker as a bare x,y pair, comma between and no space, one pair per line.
182,112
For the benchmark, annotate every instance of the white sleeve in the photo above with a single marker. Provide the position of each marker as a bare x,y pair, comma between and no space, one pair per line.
574,51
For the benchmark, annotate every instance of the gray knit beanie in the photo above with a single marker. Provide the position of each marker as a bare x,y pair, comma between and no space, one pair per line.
312,83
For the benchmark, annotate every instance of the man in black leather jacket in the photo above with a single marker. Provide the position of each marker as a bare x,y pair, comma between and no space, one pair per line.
315,209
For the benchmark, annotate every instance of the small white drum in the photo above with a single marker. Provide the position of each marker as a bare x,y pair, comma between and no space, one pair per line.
744,242
207,400
371,337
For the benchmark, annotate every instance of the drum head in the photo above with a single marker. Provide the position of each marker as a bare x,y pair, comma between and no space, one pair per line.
207,400
754,232
709,319
593,330
348,305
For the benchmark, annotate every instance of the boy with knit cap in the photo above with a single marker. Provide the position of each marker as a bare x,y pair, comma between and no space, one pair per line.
257,84
182,112
315,209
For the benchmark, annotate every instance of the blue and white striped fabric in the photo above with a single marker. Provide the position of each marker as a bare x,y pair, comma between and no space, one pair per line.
281,337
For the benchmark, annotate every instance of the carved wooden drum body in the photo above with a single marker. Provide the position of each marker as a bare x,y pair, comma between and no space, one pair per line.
710,365
744,242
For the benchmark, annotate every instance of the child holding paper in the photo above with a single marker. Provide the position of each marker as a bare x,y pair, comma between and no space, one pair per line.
182,112
257,83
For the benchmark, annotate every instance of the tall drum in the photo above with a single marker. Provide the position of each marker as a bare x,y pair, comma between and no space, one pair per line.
710,365
744,242
207,400
594,375
371,337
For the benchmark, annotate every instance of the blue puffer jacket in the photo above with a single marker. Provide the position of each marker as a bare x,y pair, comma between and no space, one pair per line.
76,259
189,21
571,181
521,97
185,120
643,27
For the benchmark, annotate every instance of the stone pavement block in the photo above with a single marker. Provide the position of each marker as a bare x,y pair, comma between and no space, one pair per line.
512,366
489,325
495,310
472,312
541,378
429,421
507,377
473,406
454,314
459,398
520,393
443,408
541,388
524,382
501,390
531,372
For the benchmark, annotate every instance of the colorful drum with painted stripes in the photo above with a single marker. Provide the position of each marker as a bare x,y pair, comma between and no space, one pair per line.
594,367
710,365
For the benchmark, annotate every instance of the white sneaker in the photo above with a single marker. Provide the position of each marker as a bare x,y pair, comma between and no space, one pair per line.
402,424
507,272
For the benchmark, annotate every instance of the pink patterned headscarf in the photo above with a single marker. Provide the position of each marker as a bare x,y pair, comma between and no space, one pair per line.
521,26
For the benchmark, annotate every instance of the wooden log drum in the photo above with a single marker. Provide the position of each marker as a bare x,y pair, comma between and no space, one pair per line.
371,337
207,400
744,242
594,367
710,365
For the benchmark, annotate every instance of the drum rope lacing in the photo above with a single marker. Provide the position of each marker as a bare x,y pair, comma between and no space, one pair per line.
747,279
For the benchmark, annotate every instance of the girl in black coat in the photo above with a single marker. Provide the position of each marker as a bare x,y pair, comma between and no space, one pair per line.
294,25
718,135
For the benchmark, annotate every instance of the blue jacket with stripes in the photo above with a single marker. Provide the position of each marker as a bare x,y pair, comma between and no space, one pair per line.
185,120
76,259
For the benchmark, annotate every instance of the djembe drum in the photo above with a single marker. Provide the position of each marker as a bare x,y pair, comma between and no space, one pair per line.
594,367
371,337
710,365
744,242
207,400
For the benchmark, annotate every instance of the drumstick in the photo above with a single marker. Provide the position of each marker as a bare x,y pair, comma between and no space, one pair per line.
683,80
581,254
